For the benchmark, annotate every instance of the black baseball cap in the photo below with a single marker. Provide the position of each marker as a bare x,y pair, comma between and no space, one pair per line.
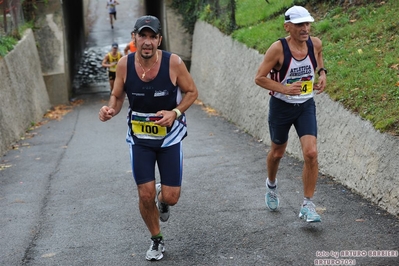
114,45
150,22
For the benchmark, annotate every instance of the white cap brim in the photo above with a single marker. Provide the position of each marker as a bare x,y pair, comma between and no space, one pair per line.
301,20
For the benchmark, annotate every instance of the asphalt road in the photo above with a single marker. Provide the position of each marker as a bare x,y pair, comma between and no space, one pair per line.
67,196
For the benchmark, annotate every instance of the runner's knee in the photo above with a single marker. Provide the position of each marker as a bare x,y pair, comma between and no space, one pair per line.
310,154
170,197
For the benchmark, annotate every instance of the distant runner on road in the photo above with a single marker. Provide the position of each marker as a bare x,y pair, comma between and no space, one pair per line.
111,5
110,61
159,89
288,71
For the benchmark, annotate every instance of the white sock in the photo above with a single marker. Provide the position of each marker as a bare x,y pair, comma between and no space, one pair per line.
270,184
306,200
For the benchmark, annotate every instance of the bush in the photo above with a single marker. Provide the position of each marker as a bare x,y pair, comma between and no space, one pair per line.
6,44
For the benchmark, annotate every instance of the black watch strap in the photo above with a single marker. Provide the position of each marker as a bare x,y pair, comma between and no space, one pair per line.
322,69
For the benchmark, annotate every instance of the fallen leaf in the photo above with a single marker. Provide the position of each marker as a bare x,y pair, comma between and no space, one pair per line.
210,111
395,66
57,112
4,166
77,102
19,201
198,102
48,255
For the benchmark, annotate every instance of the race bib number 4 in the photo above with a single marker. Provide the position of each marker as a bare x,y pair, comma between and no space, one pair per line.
306,87
148,130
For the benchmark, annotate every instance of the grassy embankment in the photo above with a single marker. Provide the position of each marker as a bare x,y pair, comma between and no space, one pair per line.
361,51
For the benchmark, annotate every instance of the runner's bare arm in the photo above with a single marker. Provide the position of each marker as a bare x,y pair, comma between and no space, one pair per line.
127,48
322,79
274,58
180,76
105,61
117,95
185,82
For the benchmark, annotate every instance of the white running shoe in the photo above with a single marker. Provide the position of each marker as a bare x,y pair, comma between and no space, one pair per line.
156,249
309,214
271,198
163,208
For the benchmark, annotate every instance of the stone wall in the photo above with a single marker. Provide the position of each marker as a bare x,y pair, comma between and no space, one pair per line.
350,150
23,95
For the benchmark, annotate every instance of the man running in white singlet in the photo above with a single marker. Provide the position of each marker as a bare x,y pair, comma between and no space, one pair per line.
288,71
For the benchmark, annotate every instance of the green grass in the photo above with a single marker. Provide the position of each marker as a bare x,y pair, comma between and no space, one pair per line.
250,13
6,44
360,49
260,36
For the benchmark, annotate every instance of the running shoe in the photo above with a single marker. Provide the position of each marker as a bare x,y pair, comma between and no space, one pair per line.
309,214
163,208
271,198
156,249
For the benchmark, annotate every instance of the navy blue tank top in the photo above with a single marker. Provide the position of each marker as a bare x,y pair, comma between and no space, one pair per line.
152,96
147,98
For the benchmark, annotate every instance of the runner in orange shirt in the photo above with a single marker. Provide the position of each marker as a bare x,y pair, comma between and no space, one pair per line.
130,47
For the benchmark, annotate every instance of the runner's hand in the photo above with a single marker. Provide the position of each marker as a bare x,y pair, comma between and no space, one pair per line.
294,89
168,118
321,84
106,113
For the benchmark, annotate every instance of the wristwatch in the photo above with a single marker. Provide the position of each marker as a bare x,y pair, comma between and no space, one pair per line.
322,69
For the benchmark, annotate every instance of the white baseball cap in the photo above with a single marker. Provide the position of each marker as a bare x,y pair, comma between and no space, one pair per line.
298,14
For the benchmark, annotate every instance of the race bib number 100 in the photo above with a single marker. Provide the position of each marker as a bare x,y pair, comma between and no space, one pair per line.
148,130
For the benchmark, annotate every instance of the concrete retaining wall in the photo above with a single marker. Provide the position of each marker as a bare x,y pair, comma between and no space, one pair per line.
23,94
178,39
350,150
50,33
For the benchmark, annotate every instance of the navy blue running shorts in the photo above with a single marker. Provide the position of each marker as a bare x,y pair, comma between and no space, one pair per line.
283,115
169,161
